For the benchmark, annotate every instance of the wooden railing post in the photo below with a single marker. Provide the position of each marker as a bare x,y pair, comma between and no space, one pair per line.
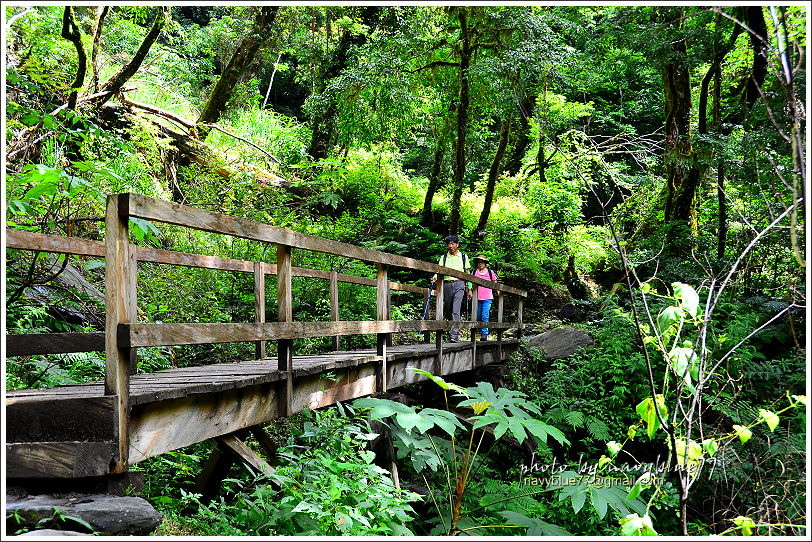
119,286
284,293
334,313
500,313
438,315
519,324
474,314
259,302
426,304
382,314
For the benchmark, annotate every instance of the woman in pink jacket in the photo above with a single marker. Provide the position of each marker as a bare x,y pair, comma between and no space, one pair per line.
484,295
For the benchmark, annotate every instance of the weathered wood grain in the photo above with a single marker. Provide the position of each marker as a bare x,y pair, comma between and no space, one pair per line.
60,419
334,307
246,454
141,335
161,426
59,459
259,302
382,314
284,347
119,285
53,343
27,240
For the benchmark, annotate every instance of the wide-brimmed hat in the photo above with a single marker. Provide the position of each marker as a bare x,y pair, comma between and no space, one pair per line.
481,257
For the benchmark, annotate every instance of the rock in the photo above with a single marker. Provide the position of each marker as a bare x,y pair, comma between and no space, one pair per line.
562,342
106,514
570,312
52,532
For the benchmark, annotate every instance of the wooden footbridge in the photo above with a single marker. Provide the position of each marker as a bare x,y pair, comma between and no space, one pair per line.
101,428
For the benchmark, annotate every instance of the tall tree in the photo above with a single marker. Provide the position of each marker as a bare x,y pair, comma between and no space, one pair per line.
464,50
493,174
117,81
323,119
238,64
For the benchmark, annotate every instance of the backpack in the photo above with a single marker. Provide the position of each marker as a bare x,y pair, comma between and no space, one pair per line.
490,272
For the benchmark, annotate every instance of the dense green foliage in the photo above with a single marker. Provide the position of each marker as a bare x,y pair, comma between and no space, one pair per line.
327,486
644,166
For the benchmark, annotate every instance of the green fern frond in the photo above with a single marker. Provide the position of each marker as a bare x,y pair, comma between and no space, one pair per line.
575,418
597,428
560,415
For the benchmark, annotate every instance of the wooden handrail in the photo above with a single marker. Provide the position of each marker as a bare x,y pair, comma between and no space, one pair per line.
26,240
124,335
132,335
142,335
146,208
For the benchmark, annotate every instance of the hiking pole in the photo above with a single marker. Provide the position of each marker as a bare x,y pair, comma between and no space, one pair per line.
426,308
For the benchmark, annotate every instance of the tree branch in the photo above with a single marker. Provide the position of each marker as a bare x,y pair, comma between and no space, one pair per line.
71,33
116,82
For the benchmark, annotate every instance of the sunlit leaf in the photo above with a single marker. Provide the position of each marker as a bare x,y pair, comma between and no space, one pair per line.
770,418
689,299
745,524
743,433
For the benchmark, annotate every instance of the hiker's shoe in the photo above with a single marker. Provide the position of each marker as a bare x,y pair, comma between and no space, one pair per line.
454,340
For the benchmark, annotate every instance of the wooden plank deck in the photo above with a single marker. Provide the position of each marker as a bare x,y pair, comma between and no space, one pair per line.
69,431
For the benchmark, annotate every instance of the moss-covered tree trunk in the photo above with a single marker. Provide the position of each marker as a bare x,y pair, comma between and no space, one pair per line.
234,71
117,81
493,174
71,33
427,217
464,47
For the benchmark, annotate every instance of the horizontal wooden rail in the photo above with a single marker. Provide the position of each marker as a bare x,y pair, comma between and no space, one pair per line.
141,335
26,240
146,208
53,343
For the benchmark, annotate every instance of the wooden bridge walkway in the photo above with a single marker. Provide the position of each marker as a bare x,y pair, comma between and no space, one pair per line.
101,428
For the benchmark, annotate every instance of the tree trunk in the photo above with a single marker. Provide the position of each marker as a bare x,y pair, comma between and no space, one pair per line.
715,73
575,285
427,217
324,120
682,173
102,14
758,42
243,56
514,163
71,33
721,234
115,83
462,121
493,174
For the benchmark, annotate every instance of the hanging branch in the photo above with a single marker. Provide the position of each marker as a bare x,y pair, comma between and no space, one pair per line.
102,13
117,81
71,33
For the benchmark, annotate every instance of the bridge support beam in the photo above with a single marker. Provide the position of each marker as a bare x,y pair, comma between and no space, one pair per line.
438,315
120,288
284,292
384,339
